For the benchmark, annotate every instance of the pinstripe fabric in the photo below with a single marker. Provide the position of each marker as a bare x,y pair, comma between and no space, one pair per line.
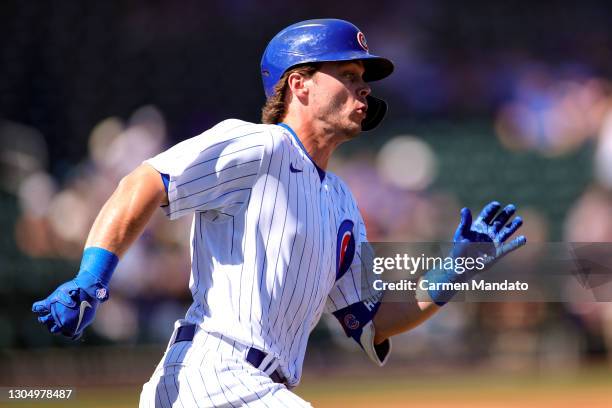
212,371
263,241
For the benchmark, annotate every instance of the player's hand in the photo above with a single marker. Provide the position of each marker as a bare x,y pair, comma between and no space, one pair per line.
70,308
487,235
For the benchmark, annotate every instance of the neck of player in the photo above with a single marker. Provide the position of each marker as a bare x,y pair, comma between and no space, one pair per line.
319,140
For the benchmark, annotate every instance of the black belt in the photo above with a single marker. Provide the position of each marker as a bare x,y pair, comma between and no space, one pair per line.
254,356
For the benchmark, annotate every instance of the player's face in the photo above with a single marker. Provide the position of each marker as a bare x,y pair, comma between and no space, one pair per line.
338,96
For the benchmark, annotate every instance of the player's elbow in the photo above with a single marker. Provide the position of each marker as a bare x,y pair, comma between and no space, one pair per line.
145,182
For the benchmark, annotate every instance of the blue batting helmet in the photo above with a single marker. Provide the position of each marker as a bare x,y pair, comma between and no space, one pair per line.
325,40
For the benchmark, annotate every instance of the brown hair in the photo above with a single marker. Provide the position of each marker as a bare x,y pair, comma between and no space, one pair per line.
274,109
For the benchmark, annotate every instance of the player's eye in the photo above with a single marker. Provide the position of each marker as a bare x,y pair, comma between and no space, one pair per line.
351,76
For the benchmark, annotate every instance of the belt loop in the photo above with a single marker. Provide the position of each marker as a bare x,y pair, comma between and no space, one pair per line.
266,363
274,364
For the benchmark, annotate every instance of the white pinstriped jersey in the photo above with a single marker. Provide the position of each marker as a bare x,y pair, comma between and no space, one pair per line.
266,223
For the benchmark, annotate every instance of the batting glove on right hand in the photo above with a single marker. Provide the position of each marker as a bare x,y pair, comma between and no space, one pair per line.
71,307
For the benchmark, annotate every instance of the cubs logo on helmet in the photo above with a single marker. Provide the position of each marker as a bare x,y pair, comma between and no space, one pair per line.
362,41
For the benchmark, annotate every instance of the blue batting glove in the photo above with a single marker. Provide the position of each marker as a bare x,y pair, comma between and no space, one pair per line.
486,237
490,229
72,306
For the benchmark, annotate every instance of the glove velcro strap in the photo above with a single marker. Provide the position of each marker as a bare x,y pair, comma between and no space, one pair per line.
97,267
436,278
100,263
92,286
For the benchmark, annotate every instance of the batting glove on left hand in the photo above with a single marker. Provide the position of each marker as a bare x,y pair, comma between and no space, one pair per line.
489,230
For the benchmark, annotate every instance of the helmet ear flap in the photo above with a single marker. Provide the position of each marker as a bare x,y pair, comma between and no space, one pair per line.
377,108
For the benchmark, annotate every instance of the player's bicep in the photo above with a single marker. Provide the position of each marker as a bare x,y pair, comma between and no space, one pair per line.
356,283
148,182
157,182
346,299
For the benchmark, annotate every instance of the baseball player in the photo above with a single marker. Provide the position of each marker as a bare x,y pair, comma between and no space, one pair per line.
275,240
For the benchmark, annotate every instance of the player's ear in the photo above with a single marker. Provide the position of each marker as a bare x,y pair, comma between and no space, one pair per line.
297,84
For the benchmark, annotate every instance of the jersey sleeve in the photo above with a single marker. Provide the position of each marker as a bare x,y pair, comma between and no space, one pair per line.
214,171
354,304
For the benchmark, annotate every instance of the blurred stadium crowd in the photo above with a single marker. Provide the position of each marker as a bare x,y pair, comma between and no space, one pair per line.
494,102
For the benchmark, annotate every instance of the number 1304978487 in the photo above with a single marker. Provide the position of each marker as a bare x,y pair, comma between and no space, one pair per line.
37,393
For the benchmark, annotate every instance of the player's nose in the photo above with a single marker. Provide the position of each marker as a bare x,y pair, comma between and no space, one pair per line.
364,90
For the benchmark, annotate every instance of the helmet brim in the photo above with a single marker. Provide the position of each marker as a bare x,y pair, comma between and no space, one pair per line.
376,68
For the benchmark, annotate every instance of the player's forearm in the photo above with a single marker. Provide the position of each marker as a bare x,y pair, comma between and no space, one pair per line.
397,317
128,210
72,306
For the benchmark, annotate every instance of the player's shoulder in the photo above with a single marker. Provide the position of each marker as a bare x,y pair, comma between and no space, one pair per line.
237,127
272,136
342,190
239,132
